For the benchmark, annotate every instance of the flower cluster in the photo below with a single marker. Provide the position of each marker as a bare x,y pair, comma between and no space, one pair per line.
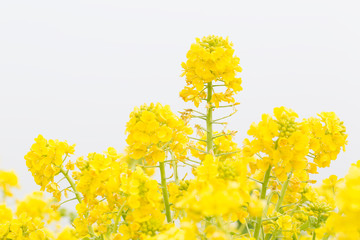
289,151
144,216
286,144
44,161
328,138
153,131
344,224
218,189
36,206
8,180
262,190
31,219
211,59
97,180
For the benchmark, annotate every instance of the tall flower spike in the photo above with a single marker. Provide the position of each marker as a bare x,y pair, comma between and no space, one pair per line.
210,59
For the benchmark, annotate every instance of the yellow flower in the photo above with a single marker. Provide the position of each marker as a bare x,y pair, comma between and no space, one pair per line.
44,161
153,131
37,235
67,234
5,214
328,138
344,224
211,59
285,224
8,179
35,206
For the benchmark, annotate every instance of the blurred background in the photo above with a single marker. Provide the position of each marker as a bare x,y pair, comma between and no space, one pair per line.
74,70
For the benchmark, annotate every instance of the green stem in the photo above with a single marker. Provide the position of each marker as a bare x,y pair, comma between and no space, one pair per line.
255,180
227,153
262,196
66,201
197,149
77,195
226,106
267,236
209,135
193,166
72,184
175,169
269,201
282,193
273,236
222,135
197,139
193,161
247,228
118,217
216,120
165,192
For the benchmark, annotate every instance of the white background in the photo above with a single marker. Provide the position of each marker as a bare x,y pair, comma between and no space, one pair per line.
74,70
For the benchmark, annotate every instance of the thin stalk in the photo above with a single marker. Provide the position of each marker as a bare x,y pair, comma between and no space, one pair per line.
197,139
262,196
200,127
282,193
288,205
77,194
66,201
247,228
269,201
175,169
66,189
220,123
202,90
60,180
72,184
255,180
198,149
216,120
165,192
192,110
118,217
209,135
188,159
267,236
226,106
189,164
222,135
273,236
242,227
273,218
221,154
171,160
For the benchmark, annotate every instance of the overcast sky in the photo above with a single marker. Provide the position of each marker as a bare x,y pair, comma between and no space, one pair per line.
74,70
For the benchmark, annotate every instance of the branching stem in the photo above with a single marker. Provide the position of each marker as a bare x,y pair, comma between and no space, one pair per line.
165,192
262,196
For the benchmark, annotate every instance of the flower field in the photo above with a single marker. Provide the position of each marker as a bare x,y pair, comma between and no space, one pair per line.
183,176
